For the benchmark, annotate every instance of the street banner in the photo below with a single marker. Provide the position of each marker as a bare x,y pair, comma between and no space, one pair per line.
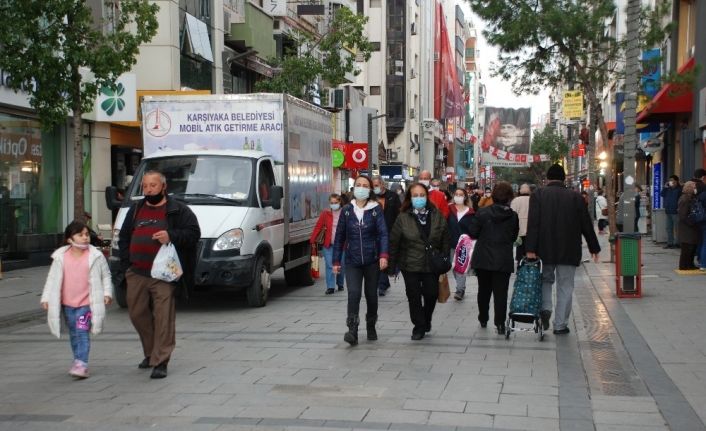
572,103
507,137
620,115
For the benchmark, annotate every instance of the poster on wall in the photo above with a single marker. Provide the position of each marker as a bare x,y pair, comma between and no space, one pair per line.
507,137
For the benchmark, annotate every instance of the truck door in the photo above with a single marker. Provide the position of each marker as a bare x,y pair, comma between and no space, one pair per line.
273,220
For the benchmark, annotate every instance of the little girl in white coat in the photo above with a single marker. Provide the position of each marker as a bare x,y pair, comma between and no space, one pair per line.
80,286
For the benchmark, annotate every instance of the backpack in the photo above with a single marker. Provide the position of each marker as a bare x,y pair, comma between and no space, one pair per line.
698,213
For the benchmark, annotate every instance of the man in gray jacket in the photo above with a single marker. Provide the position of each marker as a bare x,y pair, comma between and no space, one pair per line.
558,217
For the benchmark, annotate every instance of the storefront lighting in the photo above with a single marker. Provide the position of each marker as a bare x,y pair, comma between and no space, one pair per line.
603,155
603,165
26,169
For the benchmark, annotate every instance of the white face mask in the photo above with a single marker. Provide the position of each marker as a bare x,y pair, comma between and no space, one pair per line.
425,183
487,195
434,188
458,200
81,246
671,184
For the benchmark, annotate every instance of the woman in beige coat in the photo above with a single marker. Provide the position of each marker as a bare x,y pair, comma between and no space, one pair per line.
521,206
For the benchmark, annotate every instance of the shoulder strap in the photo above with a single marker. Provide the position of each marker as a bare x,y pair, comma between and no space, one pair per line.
421,231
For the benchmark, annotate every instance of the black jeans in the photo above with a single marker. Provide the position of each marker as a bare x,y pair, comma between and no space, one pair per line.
359,279
493,283
422,290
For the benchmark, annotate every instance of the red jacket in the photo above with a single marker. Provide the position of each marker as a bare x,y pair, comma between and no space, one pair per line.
325,219
438,198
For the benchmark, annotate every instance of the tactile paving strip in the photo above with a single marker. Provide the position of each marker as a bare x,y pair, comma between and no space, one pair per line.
611,364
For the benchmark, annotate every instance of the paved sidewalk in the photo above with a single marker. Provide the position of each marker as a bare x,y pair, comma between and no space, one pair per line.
627,365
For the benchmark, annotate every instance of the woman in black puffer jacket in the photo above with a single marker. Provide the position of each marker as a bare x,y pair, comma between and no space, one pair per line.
496,228
408,252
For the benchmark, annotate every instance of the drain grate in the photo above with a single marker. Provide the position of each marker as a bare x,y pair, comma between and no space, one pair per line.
611,364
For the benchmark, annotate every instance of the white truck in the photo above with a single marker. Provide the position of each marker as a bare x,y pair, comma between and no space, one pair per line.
255,169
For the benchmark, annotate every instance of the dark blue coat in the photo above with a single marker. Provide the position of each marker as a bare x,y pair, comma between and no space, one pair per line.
364,242
459,227
671,199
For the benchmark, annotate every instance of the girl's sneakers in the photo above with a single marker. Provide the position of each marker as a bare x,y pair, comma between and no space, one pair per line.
79,370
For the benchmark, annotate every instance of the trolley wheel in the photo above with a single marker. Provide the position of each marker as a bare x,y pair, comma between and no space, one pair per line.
541,332
507,332
537,324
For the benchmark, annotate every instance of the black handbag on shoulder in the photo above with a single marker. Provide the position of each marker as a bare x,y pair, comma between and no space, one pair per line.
439,263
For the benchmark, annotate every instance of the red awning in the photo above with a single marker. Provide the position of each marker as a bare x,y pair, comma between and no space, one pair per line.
663,106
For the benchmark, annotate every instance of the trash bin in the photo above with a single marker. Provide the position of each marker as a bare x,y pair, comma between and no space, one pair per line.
628,265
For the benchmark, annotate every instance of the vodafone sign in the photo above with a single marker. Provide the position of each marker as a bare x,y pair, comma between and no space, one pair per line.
355,155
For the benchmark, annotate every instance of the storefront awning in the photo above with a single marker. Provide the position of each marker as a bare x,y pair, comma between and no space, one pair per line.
663,106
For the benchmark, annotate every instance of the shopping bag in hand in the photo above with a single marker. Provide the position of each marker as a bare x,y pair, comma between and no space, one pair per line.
444,289
463,253
166,265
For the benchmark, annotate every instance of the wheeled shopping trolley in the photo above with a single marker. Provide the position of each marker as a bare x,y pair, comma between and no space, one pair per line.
526,302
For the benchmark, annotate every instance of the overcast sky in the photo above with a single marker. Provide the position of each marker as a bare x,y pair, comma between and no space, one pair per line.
499,93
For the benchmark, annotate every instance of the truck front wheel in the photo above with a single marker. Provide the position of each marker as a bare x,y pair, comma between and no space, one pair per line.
259,290
121,294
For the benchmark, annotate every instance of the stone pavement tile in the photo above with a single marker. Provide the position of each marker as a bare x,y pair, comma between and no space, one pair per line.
36,397
627,418
199,399
456,384
405,367
520,389
647,406
526,372
550,412
470,395
530,400
243,388
337,382
394,416
291,412
461,419
224,378
334,413
189,388
242,400
435,405
392,383
534,381
468,356
457,370
145,385
305,427
609,427
530,424
262,372
148,410
496,409
202,410
364,376
576,425
58,407
351,402
436,362
356,425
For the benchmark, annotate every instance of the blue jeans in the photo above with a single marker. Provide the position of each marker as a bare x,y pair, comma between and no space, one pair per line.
702,254
672,223
363,279
383,282
78,320
333,280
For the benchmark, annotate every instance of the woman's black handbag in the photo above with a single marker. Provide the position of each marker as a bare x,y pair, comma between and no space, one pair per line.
439,263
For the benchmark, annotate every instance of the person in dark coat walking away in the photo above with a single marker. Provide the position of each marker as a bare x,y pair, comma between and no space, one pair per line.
495,227
151,222
390,203
671,192
361,230
689,233
408,252
328,220
459,223
557,219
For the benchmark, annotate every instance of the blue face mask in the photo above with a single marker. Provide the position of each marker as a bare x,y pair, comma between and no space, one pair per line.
377,191
335,207
361,193
419,203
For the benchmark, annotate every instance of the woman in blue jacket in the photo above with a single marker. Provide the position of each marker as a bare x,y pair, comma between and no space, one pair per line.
362,232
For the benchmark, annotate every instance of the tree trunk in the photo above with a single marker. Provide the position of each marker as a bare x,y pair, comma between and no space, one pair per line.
78,147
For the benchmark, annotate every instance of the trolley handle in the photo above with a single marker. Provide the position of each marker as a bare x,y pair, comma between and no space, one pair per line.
531,262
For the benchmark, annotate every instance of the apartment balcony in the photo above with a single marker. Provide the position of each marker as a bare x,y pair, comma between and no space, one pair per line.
254,34
460,17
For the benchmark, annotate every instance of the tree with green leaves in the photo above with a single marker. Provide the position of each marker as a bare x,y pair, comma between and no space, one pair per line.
47,46
551,43
300,70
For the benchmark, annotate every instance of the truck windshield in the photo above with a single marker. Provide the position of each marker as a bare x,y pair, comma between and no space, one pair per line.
202,179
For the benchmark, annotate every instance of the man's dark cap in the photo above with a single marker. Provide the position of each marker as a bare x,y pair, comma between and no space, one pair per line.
87,214
556,173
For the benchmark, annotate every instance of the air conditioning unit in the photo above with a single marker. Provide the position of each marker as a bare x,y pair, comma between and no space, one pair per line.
394,155
436,56
335,98
412,113
414,28
439,157
227,17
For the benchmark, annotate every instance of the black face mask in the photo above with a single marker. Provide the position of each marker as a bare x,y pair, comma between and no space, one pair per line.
154,199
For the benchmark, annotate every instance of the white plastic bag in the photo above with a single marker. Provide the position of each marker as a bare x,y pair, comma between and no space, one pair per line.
166,265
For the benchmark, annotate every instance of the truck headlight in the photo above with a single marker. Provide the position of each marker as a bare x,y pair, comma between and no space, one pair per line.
233,239
114,242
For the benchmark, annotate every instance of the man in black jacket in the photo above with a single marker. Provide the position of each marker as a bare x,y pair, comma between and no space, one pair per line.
158,219
390,203
557,219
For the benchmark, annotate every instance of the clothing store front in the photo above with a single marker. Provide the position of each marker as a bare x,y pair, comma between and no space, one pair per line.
30,185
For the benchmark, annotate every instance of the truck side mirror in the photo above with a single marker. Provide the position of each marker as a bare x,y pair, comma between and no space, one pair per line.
111,198
275,200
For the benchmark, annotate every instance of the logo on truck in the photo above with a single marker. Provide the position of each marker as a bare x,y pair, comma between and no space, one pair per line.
158,123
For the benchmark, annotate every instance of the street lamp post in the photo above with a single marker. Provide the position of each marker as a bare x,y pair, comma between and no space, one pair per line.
370,140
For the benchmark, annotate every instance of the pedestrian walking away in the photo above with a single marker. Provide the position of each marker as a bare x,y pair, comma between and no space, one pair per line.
326,230
390,203
521,206
601,211
420,223
671,192
78,285
362,232
496,228
558,218
459,224
689,233
155,220
435,195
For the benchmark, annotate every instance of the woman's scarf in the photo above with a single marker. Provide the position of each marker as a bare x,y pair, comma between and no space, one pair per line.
421,215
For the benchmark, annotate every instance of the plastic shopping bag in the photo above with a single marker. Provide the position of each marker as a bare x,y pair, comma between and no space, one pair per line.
463,253
166,265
